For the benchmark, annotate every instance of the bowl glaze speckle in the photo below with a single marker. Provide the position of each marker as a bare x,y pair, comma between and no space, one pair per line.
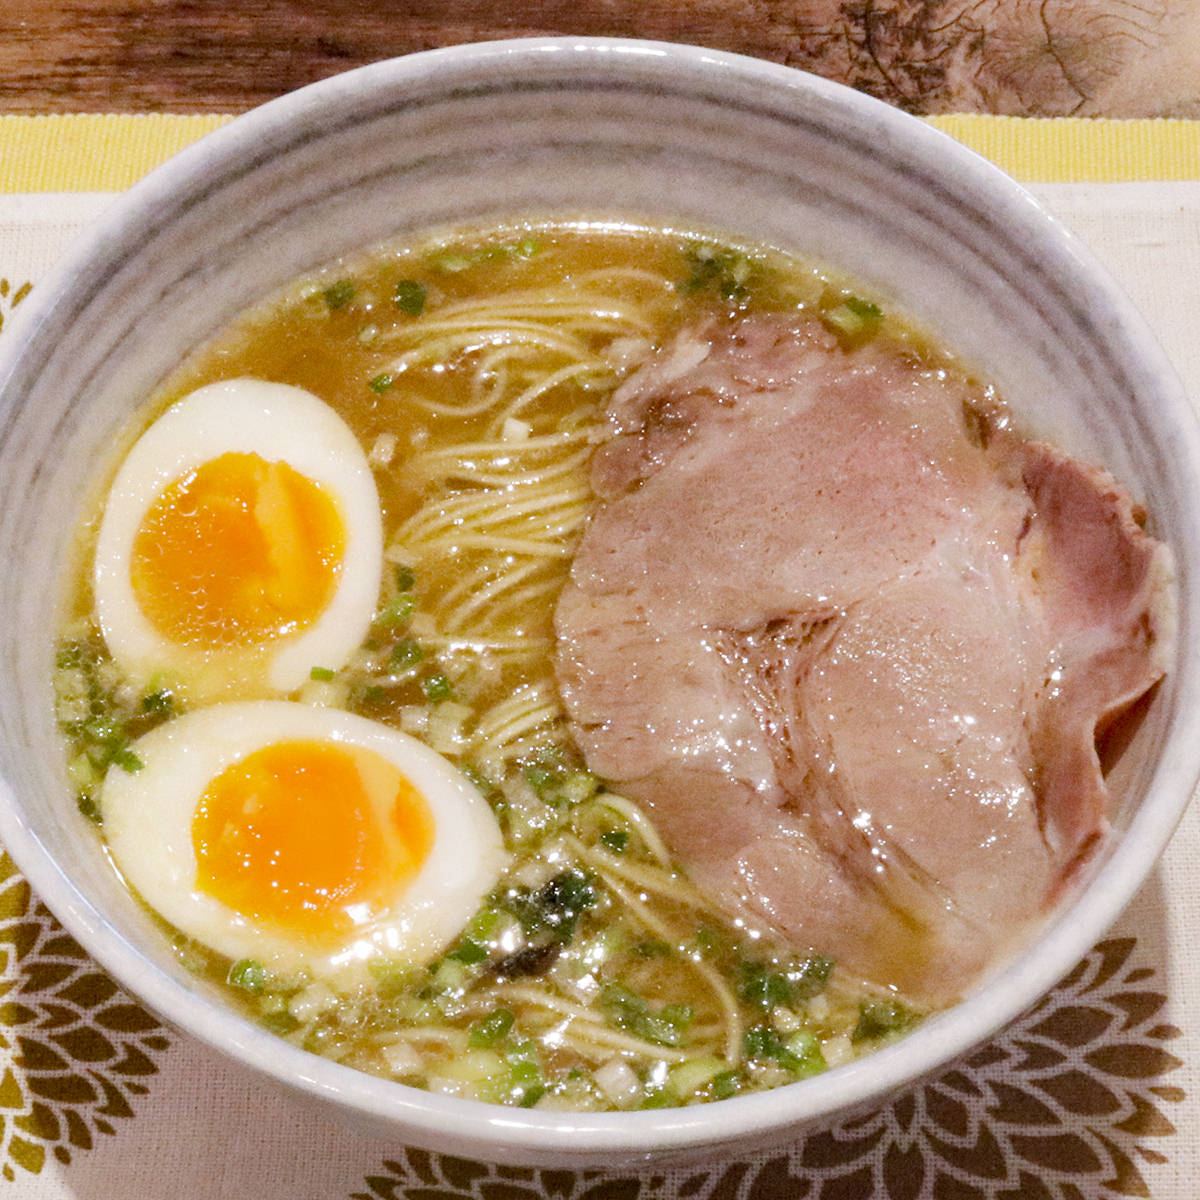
593,128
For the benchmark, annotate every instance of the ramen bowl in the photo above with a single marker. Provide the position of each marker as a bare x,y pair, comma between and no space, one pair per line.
615,130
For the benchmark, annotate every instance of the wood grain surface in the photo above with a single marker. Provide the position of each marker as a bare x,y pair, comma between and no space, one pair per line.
1032,57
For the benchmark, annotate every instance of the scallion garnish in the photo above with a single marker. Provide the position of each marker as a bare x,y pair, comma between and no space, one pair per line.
126,760
160,701
398,610
878,1018
626,1010
407,652
800,1053
89,808
854,321
338,295
468,952
247,974
410,297
491,1029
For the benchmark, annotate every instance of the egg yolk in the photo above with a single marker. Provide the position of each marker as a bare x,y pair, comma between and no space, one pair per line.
309,837
237,551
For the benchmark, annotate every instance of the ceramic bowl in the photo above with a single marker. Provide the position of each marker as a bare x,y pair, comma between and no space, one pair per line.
609,128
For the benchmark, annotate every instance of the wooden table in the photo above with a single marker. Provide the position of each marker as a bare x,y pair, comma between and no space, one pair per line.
1047,58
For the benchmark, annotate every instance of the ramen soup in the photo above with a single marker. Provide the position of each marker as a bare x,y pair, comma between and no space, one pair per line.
596,667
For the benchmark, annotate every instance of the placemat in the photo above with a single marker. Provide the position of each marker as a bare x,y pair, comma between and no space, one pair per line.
1092,1094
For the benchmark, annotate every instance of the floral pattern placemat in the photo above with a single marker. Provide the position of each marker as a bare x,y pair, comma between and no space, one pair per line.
1092,1094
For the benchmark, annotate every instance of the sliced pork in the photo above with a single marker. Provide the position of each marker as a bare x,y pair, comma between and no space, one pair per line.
850,640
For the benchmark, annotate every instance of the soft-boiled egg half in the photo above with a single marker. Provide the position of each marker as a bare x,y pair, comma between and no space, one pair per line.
241,544
301,837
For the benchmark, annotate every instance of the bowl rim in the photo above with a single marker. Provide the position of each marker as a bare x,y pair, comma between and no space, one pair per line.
523,1135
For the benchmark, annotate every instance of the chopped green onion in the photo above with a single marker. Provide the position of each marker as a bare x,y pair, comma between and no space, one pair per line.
126,760
865,309
392,975
449,974
800,1054
437,687
82,772
806,1049
762,1041
767,985
102,729
528,1087
247,974
410,297
762,988
688,1077
453,263
160,701
468,952
878,1018
615,840
89,808
809,977
69,655
854,320
483,924
406,577
726,270
280,1022
321,674
338,295
578,786
539,778
556,784
726,1084
491,1029
626,1010
398,610
382,382
525,1074
407,652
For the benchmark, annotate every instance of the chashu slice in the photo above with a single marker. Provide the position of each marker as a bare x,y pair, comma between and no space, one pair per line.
851,644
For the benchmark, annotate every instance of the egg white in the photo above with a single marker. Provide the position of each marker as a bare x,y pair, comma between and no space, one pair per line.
148,827
279,423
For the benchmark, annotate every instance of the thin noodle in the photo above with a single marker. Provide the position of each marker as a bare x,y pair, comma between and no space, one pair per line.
506,722
635,817
472,593
505,512
671,885
583,1021
596,1041
635,907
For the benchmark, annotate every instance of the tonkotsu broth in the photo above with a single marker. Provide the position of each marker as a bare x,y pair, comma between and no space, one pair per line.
471,367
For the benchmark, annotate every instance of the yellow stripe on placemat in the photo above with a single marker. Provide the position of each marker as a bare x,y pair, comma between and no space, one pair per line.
1081,149
91,153
108,152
